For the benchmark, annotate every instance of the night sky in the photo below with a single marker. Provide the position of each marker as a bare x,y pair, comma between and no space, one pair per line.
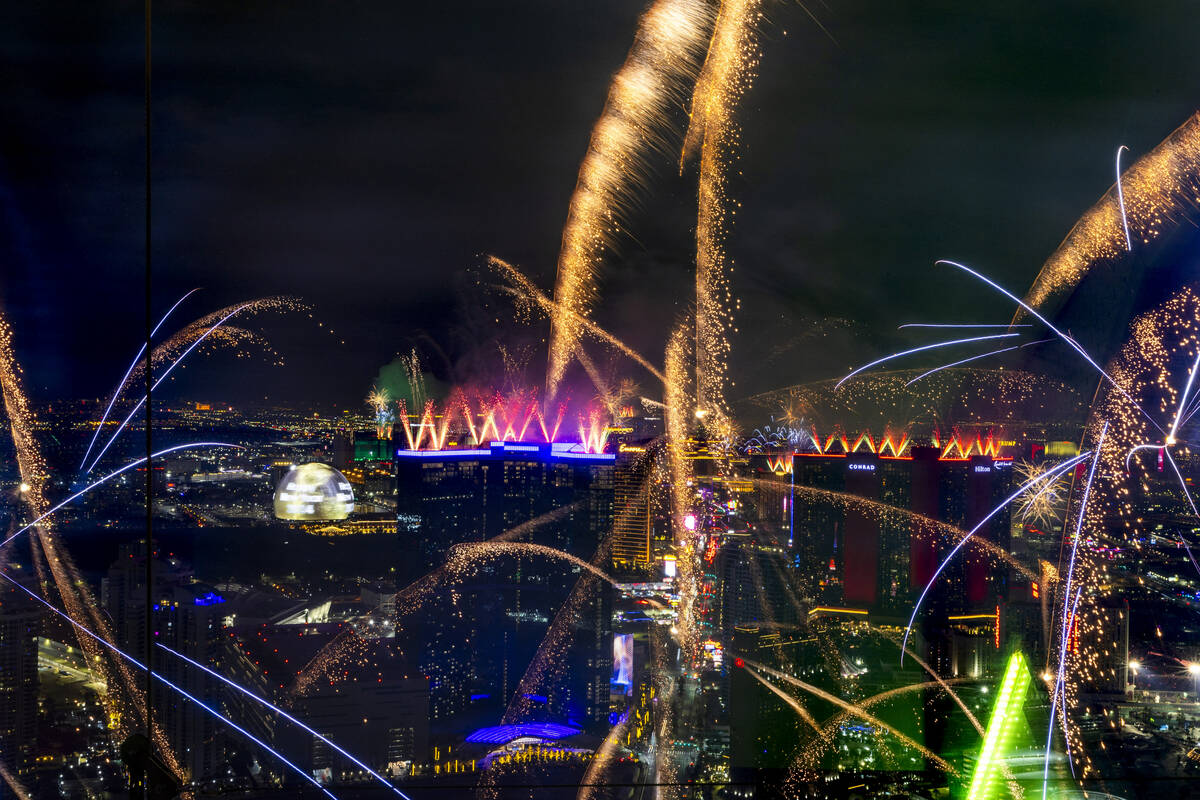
366,156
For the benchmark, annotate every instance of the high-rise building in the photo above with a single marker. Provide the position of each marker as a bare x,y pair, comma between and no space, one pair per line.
374,705
20,622
874,553
382,716
445,497
869,527
186,619
763,738
123,591
486,633
755,586
632,525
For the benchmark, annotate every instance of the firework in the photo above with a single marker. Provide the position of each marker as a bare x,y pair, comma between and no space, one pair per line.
938,679
663,58
464,556
797,437
125,378
1004,325
919,524
975,358
1158,190
666,772
123,701
225,336
827,732
525,289
729,69
854,710
679,417
800,710
141,401
378,399
204,332
380,403
1048,475
416,378
14,784
21,422
549,662
287,716
1068,339
961,397
197,701
1069,618
110,476
1183,401
922,348
347,645
1121,202
1148,369
1146,372
1045,506
603,758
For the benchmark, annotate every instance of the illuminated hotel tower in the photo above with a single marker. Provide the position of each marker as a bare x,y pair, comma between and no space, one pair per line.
862,556
631,509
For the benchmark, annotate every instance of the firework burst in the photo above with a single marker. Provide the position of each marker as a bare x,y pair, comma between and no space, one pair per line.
1156,192
663,60
728,72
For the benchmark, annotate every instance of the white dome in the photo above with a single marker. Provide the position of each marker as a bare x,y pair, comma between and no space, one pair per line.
313,492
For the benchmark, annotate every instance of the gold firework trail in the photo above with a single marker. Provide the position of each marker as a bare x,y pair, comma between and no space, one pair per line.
548,663
1159,190
14,784
527,290
664,58
465,554
919,524
854,710
800,710
346,644
603,758
123,700
229,336
1148,367
807,761
728,72
679,418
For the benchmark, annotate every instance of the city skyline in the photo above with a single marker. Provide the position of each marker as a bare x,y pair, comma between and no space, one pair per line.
816,421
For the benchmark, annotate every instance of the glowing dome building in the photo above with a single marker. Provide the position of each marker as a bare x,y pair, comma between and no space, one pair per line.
313,493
